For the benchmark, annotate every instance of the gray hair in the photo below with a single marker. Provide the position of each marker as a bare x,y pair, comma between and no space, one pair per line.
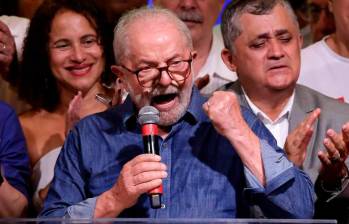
121,34
231,27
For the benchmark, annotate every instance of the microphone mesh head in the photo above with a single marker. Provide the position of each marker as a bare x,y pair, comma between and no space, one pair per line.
148,115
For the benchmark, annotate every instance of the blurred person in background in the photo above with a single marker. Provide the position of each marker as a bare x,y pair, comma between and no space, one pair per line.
321,19
325,64
300,8
115,8
210,72
27,8
66,63
12,33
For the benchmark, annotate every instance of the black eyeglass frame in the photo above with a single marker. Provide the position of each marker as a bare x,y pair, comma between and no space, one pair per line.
160,70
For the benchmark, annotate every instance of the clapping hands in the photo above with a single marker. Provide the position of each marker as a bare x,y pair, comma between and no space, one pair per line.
333,159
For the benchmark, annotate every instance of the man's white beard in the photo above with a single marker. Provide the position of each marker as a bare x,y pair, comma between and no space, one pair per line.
167,118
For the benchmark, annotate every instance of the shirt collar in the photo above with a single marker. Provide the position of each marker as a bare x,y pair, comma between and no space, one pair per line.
128,112
195,110
194,113
285,113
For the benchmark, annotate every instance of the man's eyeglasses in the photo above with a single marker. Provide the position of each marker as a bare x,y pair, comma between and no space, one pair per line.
149,77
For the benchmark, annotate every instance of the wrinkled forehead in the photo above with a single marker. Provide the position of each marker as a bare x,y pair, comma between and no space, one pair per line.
155,34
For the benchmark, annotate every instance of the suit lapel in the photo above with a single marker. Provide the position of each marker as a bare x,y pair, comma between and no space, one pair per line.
302,106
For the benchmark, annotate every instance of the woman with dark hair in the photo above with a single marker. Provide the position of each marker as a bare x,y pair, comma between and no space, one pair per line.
66,58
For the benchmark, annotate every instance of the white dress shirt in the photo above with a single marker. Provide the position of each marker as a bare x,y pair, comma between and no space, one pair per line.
278,127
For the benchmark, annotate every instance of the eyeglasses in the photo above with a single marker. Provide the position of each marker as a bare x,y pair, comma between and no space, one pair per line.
315,12
149,77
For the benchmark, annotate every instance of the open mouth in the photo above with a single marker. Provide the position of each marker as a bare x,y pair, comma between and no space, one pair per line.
165,102
164,99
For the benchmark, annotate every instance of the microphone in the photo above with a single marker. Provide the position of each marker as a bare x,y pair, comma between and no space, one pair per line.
148,118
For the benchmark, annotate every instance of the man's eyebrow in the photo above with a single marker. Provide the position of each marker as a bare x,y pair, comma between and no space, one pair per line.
174,57
281,32
155,63
268,36
262,36
146,61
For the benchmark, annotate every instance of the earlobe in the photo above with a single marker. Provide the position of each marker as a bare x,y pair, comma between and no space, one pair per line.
301,39
228,59
115,69
120,77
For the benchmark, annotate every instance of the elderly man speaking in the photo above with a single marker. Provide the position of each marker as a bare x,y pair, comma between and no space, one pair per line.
208,168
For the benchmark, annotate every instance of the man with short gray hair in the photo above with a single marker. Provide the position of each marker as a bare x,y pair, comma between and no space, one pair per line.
214,158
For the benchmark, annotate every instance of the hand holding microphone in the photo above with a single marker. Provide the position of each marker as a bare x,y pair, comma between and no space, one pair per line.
140,175
148,118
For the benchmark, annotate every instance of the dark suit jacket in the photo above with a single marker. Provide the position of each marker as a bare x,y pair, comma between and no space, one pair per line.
333,115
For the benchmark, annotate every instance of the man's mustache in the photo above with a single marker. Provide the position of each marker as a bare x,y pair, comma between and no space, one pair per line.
164,91
192,16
